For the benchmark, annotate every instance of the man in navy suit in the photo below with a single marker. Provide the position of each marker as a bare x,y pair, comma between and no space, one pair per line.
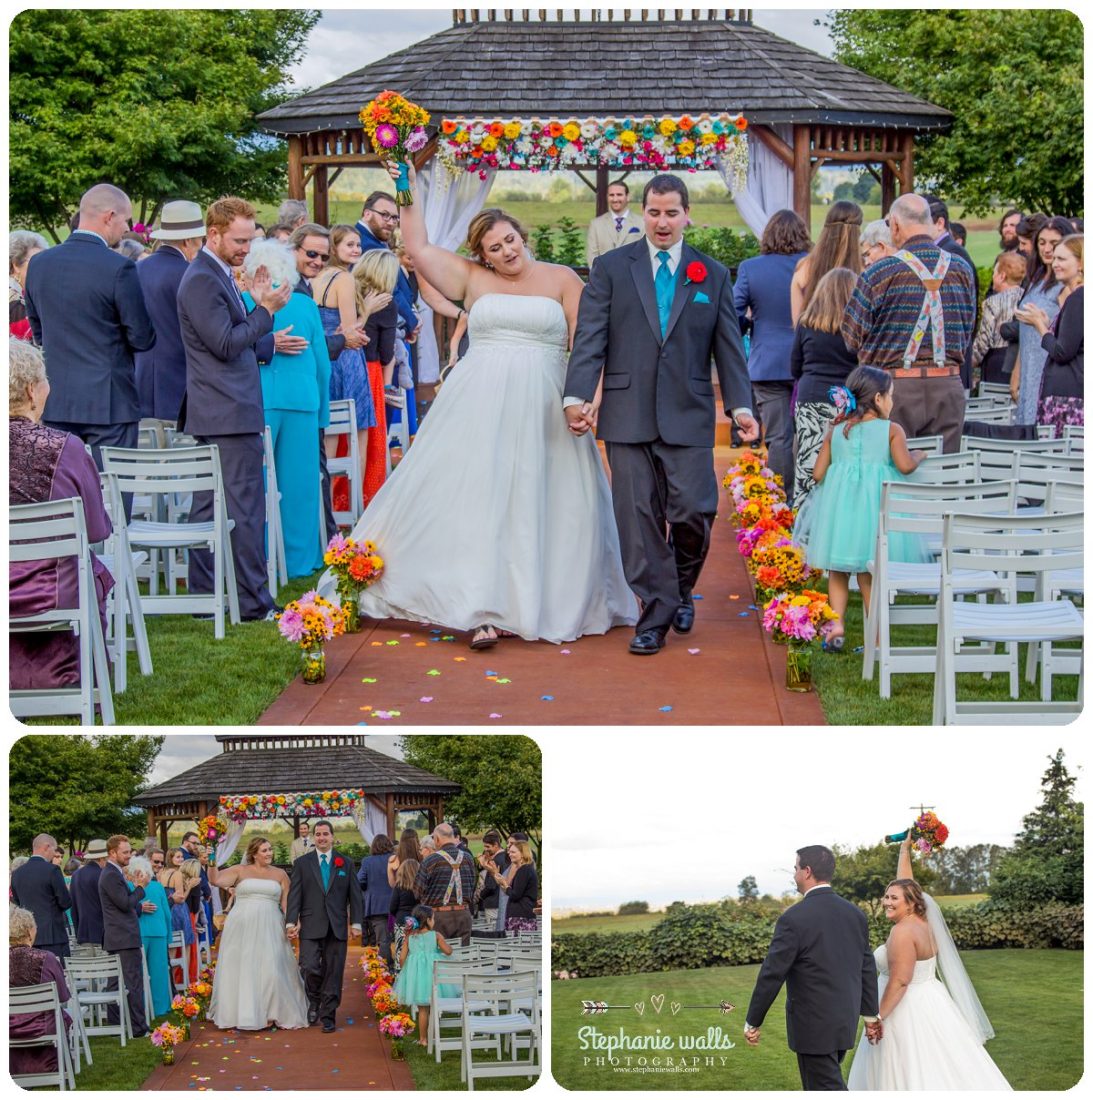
161,371
40,887
86,906
223,403
379,220
87,314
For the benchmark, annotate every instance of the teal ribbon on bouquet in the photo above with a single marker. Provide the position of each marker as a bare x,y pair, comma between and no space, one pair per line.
402,184
897,838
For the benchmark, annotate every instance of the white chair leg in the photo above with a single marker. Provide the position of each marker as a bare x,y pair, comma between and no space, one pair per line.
140,630
218,587
101,671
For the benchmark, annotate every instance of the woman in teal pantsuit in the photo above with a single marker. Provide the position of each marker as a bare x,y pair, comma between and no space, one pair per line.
155,935
296,397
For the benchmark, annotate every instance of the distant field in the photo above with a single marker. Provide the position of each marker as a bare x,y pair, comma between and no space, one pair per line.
636,922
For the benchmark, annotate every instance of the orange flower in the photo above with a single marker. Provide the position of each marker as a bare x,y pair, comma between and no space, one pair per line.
497,129
448,127
741,123
686,123
555,130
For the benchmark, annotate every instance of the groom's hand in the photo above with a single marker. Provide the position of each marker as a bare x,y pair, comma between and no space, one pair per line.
748,425
580,418
751,1034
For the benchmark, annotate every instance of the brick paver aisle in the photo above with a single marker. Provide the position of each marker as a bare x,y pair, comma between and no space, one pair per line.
726,672
354,1057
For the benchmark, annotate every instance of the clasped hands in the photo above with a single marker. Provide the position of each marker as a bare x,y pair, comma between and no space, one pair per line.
582,418
293,930
874,1031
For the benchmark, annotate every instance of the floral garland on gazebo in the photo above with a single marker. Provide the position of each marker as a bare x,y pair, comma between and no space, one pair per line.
692,142
243,807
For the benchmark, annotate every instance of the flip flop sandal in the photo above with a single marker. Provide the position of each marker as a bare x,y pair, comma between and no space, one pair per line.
486,641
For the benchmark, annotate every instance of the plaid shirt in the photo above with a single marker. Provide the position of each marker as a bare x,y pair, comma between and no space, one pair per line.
881,314
434,876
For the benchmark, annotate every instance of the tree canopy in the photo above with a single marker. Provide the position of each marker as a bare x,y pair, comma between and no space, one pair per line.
76,787
1046,862
1012,78
862,874
160,102
501,777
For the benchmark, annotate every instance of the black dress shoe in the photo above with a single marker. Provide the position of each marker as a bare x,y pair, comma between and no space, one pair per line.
684,617
312,1016
328,1026
647,641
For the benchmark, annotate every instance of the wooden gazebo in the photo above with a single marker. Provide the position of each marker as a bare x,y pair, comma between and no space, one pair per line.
287,763
520,63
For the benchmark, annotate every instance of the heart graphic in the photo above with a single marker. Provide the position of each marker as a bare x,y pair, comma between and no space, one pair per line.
657,1001
675,1006
639,1008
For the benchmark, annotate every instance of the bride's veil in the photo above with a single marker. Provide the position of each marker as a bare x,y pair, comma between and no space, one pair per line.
954,975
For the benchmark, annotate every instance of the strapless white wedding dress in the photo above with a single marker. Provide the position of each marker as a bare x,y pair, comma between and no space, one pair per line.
257,980
927,1044
498,514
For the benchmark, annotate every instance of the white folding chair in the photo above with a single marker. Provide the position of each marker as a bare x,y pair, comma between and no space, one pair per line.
123,604
398,431
1074,437
276,565
152,432
55,531
178,956
513,1011
44,999
446,1013
204,942
1012,446
78,1043
959,468
1007,545
987,411
998,390
343,421
931,444
168,472
917,511
89,979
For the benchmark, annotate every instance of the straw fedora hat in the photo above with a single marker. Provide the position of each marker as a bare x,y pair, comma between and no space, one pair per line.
180,221
96,849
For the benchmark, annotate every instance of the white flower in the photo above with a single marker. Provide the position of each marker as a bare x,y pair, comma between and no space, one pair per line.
705,125
589,129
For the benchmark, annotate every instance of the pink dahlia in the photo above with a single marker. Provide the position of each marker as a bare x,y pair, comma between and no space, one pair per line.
417,140
386,135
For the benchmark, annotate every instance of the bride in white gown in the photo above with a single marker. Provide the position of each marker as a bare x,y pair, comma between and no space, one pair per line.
498,519
933,1033
257,980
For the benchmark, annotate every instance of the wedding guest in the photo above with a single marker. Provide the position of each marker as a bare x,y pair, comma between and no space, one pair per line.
303,843
408,848
224,394
14,866
121,909
88,316
378,270
959,233
445,882
161,371
1007,230
292,212
47,464
990,349
819,360
838,246
28,965
928,392
487,893
1027,228
178,886
875,243
131,249
259,231
22,244
279,232
944,238
84,888
617,226
1063,385
296,401
1042,290
401,906
522,888
155,933
427,845
762,298
372,877
378,222
40,887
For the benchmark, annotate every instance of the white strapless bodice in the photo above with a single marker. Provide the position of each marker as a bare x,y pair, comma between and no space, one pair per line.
925,969
527,321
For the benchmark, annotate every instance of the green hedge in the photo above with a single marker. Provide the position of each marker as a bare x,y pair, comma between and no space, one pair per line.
696,936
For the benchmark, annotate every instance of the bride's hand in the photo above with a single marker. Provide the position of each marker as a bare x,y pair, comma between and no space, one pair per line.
392,167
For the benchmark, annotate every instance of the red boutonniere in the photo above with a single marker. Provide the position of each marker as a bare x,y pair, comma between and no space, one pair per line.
696,272
338,861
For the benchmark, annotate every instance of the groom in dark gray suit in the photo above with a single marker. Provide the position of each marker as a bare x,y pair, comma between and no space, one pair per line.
652,316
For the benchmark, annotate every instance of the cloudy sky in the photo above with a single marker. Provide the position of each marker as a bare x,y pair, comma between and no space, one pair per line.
348,38
640,817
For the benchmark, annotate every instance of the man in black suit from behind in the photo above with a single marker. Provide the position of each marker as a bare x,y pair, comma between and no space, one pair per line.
324,906
944,239
86,903
121,911
223,402
40,887
88,316
820,951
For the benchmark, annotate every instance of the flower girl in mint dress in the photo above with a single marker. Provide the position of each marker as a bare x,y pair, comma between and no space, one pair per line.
838,523
414,985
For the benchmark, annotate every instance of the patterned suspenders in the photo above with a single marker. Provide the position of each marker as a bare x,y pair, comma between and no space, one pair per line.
931,311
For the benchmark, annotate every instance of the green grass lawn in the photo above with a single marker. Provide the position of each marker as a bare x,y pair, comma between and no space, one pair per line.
632,922
428,1076
1033,999
115,1069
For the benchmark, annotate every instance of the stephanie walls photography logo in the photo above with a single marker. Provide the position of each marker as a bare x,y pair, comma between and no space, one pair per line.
631,1039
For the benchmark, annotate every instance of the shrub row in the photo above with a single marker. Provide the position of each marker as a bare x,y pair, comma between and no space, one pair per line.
697,936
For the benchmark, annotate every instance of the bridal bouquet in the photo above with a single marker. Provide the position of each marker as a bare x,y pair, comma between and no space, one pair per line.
356,565
211,829
396,129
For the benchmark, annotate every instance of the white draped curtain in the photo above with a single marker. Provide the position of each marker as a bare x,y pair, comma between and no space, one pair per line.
770,183
369,819
230,841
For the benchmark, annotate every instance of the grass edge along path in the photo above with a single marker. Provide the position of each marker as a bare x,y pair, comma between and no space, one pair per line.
1034,999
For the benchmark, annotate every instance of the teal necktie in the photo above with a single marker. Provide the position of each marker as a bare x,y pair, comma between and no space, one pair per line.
324,866
663,285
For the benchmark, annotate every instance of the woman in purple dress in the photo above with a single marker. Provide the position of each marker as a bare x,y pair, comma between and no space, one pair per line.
28,965
46,464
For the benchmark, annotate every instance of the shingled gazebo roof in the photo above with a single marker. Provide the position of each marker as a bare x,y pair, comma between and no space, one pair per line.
599,69
278,763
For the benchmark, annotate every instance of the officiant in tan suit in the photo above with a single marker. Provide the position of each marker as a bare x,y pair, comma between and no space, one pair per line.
617,227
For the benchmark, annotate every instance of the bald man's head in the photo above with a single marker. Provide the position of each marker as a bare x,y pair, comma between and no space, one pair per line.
909,217
106,210
444,834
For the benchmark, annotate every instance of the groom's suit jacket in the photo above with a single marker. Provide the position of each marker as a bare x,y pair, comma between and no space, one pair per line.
656,387
820,951
322,912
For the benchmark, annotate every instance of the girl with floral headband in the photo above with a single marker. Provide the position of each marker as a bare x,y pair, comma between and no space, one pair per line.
838,522
414,985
